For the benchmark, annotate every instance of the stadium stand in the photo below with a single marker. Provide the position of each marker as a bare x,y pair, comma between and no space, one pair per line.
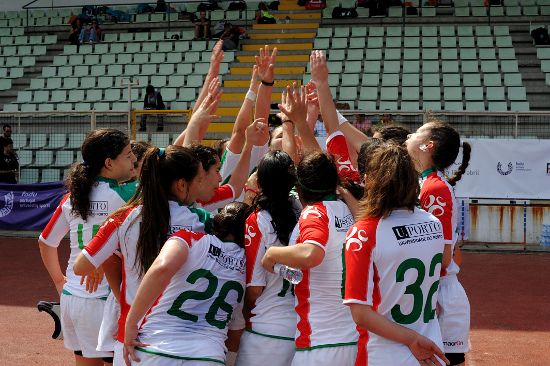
468,57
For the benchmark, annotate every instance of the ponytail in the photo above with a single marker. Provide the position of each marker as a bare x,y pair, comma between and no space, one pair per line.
161,167
99,145
466,152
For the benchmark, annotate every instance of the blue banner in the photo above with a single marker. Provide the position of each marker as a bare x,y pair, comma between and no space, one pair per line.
28,206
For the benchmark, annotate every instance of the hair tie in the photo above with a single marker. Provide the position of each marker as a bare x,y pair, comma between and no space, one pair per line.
328,190
161,152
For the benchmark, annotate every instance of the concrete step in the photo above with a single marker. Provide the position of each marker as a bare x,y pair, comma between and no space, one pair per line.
231,95
246,77
279,53
276,41
281,36
308,25
245,83
281,70
291,59
285,46
297,15
279,63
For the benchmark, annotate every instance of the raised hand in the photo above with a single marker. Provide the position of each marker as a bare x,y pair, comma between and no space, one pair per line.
294,104
266,63
319,68
254,85
216,58
256,131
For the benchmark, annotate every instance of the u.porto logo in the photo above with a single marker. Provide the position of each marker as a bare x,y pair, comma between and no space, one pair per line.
508,170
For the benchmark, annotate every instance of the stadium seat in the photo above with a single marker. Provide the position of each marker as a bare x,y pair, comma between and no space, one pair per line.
43,158
29,176
50,175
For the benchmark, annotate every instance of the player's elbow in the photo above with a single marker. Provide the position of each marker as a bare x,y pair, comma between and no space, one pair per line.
312,257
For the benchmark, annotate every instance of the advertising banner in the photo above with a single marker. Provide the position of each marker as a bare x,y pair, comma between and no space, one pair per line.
28,206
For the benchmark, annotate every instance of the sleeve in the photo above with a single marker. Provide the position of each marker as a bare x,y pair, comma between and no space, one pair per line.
437,199
228,163
314,226
222,193
187,237
106,242
254,248
359,264
57,227
338,147
258,152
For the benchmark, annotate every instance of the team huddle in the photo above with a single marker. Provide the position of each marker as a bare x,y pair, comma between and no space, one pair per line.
173,248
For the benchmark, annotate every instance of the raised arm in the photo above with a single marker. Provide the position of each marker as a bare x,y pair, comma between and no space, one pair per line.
265,63
198,124
213,72
319,73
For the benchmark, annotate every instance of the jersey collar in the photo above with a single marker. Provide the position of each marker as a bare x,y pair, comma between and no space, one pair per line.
112,183
427,172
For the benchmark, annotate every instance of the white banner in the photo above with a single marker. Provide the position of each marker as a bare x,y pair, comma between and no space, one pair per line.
506,169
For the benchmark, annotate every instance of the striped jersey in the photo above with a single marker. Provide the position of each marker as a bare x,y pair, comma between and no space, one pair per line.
338,147
106,196
189,319
273,314
394,265
438,198
121,232
323,321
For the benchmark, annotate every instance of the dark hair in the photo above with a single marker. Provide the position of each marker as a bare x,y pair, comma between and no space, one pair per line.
139,148
99,145
231,221
220,148
207,155
276,178
395,133
391,182
365,154
272,131
161,167
150,89
317,177
6,126
447,145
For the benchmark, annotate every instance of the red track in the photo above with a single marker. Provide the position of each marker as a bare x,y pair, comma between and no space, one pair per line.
509,296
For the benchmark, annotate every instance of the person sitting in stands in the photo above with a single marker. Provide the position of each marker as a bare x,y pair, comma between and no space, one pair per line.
153,100
202,26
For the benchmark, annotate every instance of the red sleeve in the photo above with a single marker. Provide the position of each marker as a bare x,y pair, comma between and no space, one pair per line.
360,270
437,199
189,237
222,193
105,242
314,225
338,147
57,227
252,246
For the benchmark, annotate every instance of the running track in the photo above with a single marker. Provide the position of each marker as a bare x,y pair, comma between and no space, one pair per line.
509,296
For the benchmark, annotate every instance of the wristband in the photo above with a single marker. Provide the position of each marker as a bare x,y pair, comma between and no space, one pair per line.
250,95
268,84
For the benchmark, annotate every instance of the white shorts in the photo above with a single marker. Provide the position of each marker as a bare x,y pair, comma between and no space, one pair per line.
329,356
109,325
147,359
80,321
454,315
255,347
118,357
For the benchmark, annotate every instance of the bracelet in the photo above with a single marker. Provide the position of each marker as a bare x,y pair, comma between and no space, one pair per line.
268,84
250,95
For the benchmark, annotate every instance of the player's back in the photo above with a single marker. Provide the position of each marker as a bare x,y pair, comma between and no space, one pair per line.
190,318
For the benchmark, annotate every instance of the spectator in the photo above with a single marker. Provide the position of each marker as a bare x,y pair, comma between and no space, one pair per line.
153,100
362,123
202,26
87,34
387,119
161,6
230,37
6,129
98,31
76,29
263,16
9,165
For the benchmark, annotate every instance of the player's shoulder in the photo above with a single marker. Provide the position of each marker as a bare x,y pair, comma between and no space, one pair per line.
316,210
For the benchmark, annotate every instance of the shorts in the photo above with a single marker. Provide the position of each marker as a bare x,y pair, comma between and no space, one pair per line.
454,315
148,359
255,347
328,356
80,321
109,325
118,357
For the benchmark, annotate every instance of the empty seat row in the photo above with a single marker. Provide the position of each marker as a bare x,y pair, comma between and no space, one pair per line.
12,31
11,72
413,106
410,31
31,176
27,40
136,58
36,50
127,70
496,11
148,36
87,106
461,3
413,42
139,47
15,61
51,141
502,53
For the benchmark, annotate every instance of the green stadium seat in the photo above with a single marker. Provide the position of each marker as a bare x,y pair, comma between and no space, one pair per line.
390,80
192,57
487,54
489,66
411,42
395,12
449,67
392,67
454,106
94,95
393,42
19,140
372,67
452,93
368,93
341,32
352,67
479,11
148,69
430,54
501,30
452,80
393,31
431,93
29,176
473,93
64,107
516,106
492,80
449,54
428,12
334,67
166,69
112,95
184,69
462,11
41,96
429,31
475,106
513,79
447,31
160,139
466,42
410,106
506,54
348,93
431,106
497,106
517,93
28,107
101,107
366,105
509,66
375,42
392,54
373,54
503,41
173,58
411,67
376,31
194,81
471,79
485,42
58,96
187,94
5,84
388,105
495,93
25,157
410,93
411,54
50,175
37,140
356,31
530,10
181,46
370,80
357,43
410,79
496,11
177,81
57,141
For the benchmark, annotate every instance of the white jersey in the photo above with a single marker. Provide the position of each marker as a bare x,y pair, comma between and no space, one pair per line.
273,314
230,160
437,197
106,196
323,321
394,265
189,320
122,233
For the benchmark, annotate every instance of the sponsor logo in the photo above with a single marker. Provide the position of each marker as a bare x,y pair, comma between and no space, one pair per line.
453,344
417,233
250,233
311,210
29,194
99,208
175,228
509,168
359,240
8,205
226,261
343,223
344,165
435,205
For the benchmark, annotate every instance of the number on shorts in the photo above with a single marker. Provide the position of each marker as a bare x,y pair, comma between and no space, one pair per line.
419,306
219,301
